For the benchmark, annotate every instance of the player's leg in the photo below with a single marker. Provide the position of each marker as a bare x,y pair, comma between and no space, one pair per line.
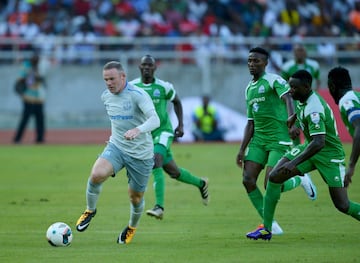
138,172
251,172
305,180
254,161
342,203
39,121
162,142
331,171
101,170
274,157
160,153
273,191
25,116
159,177
272,196
103,167
277,178
185,176
137,205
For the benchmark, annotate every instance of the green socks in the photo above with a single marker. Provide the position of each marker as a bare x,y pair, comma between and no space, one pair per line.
188,178
354,210
272,196
159,183
159,186
291,183
257,200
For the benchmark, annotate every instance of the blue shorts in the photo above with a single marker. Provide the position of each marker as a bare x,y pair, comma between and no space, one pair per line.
137,171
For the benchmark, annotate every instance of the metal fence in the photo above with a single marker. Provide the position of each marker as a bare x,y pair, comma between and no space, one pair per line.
69,49
194,65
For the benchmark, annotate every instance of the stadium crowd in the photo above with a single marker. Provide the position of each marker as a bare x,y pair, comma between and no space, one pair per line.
87,20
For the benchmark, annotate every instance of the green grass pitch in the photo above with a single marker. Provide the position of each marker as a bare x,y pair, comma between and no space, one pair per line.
43,184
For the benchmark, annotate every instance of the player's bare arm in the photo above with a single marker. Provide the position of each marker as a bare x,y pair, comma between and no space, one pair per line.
248,134
355,152
179,130
316,144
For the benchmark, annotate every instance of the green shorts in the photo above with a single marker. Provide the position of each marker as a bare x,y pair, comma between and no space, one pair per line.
162,143
266,155
331,170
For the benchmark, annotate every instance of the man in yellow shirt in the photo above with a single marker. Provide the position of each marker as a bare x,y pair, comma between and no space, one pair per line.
206,118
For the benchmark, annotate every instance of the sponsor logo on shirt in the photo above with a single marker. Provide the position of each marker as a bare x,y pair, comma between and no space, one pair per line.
121,117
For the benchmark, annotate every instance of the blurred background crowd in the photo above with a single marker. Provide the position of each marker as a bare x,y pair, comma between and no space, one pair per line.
73,38
92,18
40,21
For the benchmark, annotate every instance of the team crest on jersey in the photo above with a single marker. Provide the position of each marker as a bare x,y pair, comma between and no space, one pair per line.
315,118
261,89
156,93
126,105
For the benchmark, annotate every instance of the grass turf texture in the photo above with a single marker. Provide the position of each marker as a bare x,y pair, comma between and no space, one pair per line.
44,184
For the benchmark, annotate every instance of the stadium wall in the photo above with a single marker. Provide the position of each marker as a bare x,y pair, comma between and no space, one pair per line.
73,95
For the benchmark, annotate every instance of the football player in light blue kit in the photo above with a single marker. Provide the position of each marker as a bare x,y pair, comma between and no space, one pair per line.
133,117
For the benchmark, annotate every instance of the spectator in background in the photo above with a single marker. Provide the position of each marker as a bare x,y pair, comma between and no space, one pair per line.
197,9
339,25
354,16
85,39
33,97
206,122
275,60
290,14
300,61
280,29
129,25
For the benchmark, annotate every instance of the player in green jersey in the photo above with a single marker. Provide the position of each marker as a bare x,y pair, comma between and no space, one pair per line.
266,137
301,61
322,150
161,93
340,87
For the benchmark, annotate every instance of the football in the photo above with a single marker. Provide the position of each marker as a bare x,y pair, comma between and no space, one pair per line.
59,234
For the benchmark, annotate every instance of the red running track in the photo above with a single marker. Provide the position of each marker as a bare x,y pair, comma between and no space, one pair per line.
60,136
100,136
